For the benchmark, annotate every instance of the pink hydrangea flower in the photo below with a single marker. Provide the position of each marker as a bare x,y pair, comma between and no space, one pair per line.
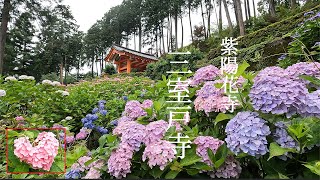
84,132
147,104
205,142
207,73
69,139
42,155
230,169
80,164
93,172
19,118
159,153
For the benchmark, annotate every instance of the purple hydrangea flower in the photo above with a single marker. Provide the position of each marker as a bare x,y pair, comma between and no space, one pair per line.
274,91
119,163
303,68
230,169
133,110
207,73
159,153
131,133
155,131
209,89
147,104
311,105
247,133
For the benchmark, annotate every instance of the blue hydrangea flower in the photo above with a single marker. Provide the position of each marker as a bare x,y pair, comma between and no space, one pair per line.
247,133
282,57
282,137
102,102
102,130
101,106
114,123
73,174
125,98
308,13
92,117
95,110
89,125
103,112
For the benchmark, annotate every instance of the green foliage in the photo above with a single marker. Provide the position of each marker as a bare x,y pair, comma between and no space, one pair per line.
110,69
156,70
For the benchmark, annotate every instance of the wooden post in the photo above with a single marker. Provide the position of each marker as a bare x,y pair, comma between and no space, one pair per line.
61,71
118,67
128,65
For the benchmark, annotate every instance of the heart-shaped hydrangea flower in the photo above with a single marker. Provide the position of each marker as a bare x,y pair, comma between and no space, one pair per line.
40,156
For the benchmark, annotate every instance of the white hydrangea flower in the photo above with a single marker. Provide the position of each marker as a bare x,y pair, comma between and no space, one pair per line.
68,118
25,77
46,82
56,83
2,93
64,93
22,77
10,78
30,77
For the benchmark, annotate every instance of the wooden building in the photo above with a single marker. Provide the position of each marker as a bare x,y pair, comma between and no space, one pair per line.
125,59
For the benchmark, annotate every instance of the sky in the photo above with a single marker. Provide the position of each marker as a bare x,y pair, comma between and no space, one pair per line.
87,13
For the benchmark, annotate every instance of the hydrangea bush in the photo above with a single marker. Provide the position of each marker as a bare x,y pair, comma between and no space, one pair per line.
274,124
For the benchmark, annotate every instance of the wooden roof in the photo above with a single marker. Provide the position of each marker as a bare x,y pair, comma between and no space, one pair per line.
117,51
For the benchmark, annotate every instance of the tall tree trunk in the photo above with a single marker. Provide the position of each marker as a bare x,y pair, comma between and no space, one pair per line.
240,18
246,10
101,63
168,35
228,15
293,4
209,7
65,70
191,31
204,24
249,12
140,36
78,67
272,8
176,30
134,40
254,9
92,68
181,31
3,31
156,35
220,17
162,33
61,72
160,40
235,10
